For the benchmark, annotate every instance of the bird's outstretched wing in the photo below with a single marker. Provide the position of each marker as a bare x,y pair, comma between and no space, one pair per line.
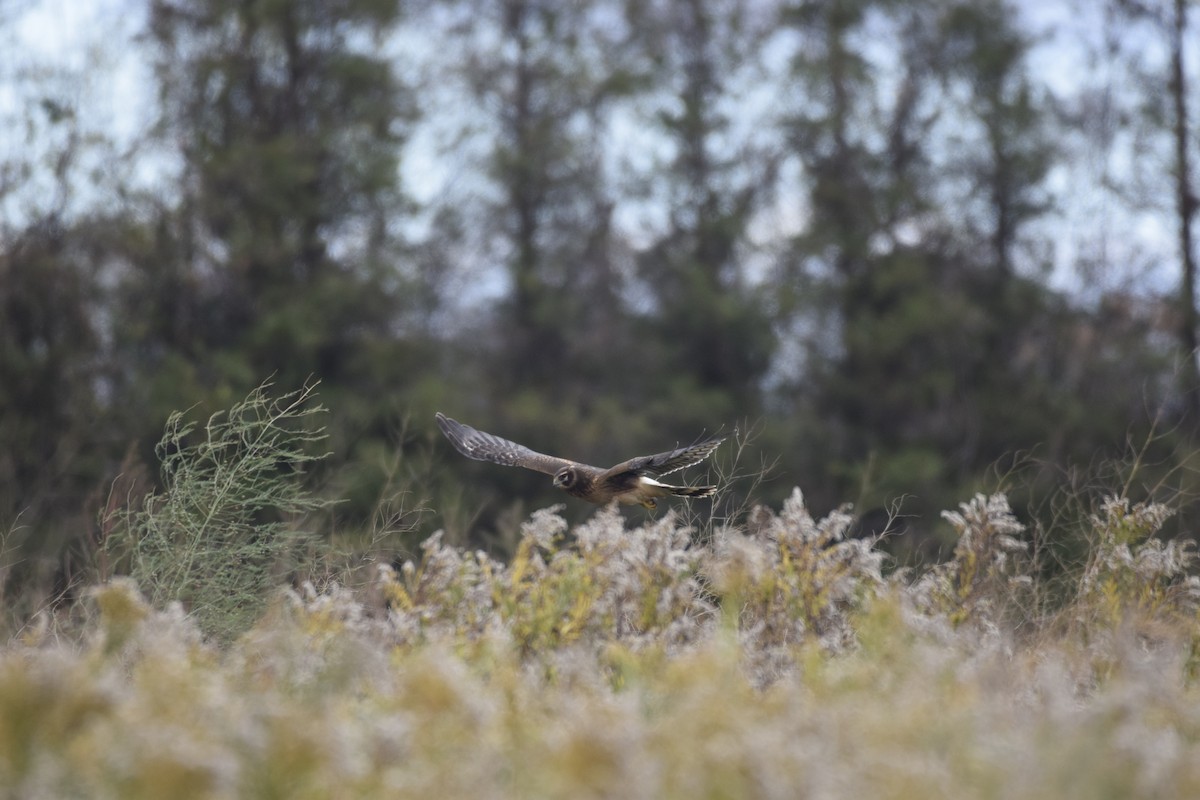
668,462
486,447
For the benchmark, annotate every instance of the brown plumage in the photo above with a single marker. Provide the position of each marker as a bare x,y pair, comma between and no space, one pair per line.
628,482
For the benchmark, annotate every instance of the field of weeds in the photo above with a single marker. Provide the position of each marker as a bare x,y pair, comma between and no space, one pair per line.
777,658
770,662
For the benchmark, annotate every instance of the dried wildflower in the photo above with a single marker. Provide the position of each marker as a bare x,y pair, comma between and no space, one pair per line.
792,580
634,662
739,562
1117,522
986,520
1131,573
545,526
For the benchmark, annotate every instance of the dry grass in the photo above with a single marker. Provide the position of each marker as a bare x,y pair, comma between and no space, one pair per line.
773,661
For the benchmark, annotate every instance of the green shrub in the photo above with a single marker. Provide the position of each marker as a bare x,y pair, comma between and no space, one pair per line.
225,527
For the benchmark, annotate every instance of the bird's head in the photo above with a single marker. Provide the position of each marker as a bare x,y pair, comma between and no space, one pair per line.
565,478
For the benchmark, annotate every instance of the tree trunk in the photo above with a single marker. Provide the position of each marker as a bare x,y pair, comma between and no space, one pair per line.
1186,207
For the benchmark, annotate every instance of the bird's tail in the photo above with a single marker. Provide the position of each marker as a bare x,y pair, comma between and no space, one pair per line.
692,491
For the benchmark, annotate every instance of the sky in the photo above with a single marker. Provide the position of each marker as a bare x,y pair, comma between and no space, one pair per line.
84,49
76,36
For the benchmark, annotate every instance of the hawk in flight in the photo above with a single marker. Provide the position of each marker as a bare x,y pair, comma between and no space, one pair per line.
629,482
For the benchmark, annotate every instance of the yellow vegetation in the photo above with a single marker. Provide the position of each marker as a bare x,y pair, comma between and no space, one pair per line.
774,661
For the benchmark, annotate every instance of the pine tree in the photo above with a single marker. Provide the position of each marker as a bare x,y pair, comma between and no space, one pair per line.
280,254
709,326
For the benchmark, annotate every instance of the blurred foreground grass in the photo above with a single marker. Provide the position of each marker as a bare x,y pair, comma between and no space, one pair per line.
772,661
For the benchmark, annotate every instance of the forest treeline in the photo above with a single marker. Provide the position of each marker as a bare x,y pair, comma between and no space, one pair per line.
831,229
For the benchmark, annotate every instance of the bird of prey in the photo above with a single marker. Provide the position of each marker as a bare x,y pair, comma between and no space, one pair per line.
630,482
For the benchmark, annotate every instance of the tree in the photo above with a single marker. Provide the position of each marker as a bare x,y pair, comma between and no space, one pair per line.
871,264
277,250
913,242
1185,211
709,327
1003,159
280,254
1006,169
1137,113
1168,116
548,362
56,440
51,445
544,95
